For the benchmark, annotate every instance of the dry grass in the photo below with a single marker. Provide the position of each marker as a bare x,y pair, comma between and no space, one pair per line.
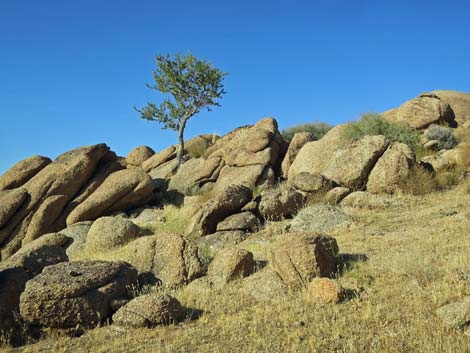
174,221
417,261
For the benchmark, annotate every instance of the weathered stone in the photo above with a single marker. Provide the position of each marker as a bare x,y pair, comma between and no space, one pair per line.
245,221
75,293
391,169
280,203
108,165
77,232
364,199
320,218
44,217
34,256
229,264
351,165
311,183
229,202
264,285
459,102
253,176
139,155
149,310
314,157
325,291
445,159
336,195
65,176
120,191
22,171
211,244
197,146
297,142
170,258
298,258
196,173
159,158
10,202
110,232
250,155
456,315
422,111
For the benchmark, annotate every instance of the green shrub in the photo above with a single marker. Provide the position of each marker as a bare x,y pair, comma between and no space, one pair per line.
317,130
373,124
442,134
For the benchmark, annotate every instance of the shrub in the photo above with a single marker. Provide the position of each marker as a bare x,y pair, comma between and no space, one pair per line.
317,130
373,124
442,134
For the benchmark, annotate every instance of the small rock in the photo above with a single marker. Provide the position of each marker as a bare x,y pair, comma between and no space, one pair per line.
148,311
456,315
325,291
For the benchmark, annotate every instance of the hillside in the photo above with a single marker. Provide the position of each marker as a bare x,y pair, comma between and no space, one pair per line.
345,244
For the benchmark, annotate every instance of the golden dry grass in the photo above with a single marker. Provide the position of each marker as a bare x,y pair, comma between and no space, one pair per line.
417,261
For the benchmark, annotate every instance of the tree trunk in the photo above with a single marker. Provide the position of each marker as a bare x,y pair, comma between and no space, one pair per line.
180,152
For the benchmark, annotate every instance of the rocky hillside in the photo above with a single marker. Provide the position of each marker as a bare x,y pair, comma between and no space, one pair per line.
92,238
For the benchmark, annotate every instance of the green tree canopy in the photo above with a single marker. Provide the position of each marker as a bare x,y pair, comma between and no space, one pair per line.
191,84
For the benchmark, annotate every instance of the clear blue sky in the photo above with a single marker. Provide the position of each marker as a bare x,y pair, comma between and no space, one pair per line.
72,71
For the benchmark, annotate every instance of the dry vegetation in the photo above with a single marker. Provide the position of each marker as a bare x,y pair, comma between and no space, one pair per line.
417,261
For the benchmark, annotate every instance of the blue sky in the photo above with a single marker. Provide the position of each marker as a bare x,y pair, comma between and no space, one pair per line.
72,71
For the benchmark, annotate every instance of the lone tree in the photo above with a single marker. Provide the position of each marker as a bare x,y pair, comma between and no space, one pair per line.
193,84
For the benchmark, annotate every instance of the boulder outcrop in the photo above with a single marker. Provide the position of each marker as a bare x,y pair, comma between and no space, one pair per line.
121,190
75,293
298,258
422,111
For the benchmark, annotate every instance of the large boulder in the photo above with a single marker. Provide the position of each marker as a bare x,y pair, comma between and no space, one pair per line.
325,291
159,158
351,165
109,164
196,173
10,202
364,199
168,258
299,257
391,169
320,218
120,191
22,171
459,102
297,142
227,203
210,245
311,183
50,249
422,111
65,176
245,221
197,146
456,315
76,233
139,155
280,203
336,195
149,310
110,232
48,211
229,264
314,157
250,155
72,294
